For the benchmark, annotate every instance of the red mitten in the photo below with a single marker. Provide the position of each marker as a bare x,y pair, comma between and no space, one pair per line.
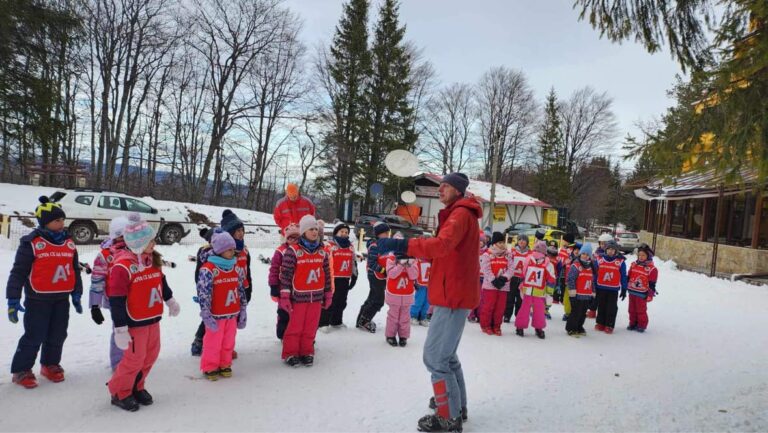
285,302
327,300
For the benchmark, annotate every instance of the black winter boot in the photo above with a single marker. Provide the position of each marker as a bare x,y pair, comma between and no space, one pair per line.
129,403
392,341
403,342
519,332
540,333
143,397
436,423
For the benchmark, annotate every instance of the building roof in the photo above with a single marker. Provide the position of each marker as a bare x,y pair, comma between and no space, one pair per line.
702,184
482,190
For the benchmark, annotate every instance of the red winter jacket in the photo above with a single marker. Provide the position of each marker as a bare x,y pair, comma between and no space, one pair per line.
453,281
287,211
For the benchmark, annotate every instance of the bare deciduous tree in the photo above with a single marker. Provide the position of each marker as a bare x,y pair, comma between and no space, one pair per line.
449,124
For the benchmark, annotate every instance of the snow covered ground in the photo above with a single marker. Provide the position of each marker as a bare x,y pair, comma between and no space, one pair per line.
700,367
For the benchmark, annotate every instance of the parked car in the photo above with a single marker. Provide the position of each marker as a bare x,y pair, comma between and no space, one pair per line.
627,241
89,212
516,228
549,235
396,223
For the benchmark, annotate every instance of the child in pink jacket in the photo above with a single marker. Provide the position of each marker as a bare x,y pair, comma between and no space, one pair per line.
538,272
401,279
496,268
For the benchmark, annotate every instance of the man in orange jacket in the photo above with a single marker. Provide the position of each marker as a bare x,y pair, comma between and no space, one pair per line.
292,207
454,290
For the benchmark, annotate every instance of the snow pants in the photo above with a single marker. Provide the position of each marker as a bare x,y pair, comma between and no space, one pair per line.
539,318
492,308
420,307
638,311
398,316
514,300
45,324
578,314
334,316
300,335
593,306
375,300
442,361
607,307
138,359
219,345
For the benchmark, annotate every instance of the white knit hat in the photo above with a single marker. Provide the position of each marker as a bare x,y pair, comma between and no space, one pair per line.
117,226
307,222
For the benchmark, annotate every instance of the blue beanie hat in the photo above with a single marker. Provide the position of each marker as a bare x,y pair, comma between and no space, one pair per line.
586,249
230,222
460,181
379,228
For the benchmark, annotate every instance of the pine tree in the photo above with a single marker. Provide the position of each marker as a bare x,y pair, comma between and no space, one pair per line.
390,114
349,69
552,177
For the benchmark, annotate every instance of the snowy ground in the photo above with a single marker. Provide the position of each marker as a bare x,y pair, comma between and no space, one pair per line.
700,367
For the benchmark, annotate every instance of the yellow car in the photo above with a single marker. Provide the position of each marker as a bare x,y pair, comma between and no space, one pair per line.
550,235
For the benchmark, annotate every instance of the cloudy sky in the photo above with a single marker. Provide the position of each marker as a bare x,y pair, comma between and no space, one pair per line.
464,38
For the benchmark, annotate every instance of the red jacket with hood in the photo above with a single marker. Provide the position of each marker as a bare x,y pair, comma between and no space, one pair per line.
287,211
453,281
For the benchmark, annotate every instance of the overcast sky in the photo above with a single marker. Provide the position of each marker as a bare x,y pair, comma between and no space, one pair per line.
544,38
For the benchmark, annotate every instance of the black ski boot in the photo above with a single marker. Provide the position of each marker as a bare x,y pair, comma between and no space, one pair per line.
129,403
519,332
436,423
403,342
540,333
464,413
392,341
143,397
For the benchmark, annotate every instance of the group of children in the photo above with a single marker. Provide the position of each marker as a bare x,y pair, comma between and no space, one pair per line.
309,278
524,283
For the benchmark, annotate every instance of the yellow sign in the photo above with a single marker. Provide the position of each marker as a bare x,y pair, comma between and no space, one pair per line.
499,214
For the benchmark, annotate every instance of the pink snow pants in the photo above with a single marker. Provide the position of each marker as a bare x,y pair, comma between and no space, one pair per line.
139,357
299,337
492,308
218,346
398,316
539,316
638,312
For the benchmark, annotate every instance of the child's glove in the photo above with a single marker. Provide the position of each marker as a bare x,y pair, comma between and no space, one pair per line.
96,315
285,302
122,338
242,319
623,295
14,308
499,282
353,281
649,297
327,300
195,299
76,303
173,307
209,321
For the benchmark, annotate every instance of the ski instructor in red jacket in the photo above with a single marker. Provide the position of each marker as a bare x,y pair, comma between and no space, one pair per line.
454,290
292,207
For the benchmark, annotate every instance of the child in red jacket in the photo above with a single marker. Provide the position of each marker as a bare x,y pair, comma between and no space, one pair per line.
291,235
137,289
642,288
305,288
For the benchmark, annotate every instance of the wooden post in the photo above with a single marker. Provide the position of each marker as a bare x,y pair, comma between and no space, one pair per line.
668,219
718,218
654,224
704,221
758,217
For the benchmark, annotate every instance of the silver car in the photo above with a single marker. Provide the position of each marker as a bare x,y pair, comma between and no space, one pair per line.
627,241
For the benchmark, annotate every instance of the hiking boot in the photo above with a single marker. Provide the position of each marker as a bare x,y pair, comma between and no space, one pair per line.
54,373
143,397
436,423
129,403
26,379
